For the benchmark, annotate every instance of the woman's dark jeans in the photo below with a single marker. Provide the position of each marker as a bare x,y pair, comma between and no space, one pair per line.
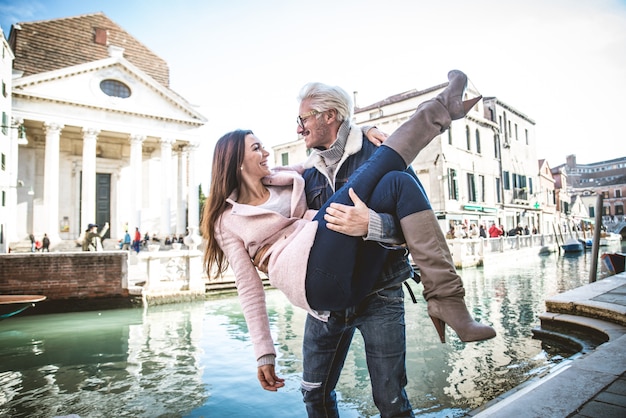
342,269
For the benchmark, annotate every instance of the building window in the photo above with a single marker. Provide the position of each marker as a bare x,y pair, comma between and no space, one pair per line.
3,161
618,193
4,88
471,187
592,211
516,137
378,113
527,139
498,192
496,148
115,88
5,123
619,210
481,183
449,136
453,188
519,180
530,185
284,158
477,141
4,194
467,138
507,180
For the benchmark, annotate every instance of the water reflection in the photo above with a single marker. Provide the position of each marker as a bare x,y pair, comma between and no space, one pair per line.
196,360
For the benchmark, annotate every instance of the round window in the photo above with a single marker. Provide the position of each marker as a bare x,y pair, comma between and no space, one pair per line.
115,88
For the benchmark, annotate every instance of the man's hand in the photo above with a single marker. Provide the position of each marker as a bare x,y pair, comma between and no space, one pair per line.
268,379
348,220
375,136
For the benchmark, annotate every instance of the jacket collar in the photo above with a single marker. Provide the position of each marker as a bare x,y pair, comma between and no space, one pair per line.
353,145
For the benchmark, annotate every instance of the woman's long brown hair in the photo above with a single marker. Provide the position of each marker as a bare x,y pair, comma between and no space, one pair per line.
225,177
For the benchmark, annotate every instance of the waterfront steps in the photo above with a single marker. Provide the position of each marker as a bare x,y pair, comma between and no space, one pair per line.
604,299
592,384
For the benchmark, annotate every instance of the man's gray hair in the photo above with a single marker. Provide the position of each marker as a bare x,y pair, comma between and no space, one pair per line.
323,97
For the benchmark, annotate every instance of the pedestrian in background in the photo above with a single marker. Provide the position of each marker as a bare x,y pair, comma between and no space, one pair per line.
45,243
93,238
137,240
125,244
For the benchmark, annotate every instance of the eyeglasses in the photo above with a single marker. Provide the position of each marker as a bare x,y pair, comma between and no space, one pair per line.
303,118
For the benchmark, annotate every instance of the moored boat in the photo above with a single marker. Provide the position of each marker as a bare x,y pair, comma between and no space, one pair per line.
612,263
572,246
11,305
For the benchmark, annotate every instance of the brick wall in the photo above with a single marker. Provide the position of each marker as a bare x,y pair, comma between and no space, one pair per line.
65,276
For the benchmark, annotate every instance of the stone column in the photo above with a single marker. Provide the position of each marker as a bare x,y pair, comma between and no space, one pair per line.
51,180
193,217
181,193
11,221
166,186
88,184
135,197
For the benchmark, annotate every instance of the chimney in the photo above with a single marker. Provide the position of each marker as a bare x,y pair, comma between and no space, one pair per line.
100,36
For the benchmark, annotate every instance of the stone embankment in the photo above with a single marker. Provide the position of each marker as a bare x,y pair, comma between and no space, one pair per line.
70,281
591,384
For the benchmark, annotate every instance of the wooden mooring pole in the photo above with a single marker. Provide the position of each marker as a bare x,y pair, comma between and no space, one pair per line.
593,270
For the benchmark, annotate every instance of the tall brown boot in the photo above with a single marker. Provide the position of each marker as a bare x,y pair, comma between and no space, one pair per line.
443,288
432,118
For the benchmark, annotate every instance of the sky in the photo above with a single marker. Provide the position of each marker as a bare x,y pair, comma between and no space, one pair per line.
562,63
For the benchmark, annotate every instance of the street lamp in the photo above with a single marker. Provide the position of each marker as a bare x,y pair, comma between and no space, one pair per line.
20,185
21,135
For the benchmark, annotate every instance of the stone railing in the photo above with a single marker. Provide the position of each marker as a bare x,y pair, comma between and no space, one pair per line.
472,252
167,276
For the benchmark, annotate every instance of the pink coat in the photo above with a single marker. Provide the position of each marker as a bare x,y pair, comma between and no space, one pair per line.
243,229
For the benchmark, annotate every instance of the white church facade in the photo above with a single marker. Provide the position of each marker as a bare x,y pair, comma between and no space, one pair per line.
107,140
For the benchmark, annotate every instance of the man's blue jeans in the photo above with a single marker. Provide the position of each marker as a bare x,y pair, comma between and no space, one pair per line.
326,345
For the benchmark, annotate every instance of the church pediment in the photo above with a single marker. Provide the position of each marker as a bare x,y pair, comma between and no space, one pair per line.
96,84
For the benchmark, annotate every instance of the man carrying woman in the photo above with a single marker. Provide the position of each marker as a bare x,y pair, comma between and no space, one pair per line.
258,217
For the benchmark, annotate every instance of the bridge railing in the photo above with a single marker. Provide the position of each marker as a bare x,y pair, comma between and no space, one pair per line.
615,226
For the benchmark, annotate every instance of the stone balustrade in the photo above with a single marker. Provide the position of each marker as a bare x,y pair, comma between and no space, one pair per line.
167,276
473,252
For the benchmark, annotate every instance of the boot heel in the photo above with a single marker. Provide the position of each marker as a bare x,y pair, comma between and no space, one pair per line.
440,326
468,104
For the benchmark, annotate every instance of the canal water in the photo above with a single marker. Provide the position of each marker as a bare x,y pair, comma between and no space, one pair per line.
196,359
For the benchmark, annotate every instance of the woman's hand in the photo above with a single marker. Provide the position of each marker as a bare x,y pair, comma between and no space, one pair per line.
268,379
376,136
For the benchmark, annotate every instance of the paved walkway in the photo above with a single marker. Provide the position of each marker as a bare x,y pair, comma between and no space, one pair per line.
592,385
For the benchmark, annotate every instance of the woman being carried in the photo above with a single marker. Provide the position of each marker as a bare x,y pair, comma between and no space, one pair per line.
257,217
